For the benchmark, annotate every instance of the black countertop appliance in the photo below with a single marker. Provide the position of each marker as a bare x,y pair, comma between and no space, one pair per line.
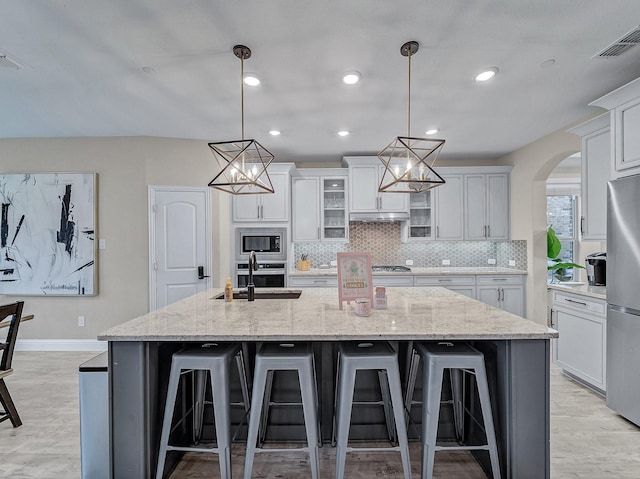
597,269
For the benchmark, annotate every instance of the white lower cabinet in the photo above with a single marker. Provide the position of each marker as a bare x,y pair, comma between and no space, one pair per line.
313,281
502,291
460,284
581,345
392,280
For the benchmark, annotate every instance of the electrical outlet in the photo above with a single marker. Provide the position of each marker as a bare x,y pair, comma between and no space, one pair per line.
409,262
491,261
334,263
81,321
446,262
102,244
512,262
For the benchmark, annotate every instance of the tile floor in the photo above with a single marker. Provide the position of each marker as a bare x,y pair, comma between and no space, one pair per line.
587,439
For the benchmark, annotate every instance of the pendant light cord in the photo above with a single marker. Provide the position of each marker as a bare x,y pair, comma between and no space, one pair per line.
409,99
242,91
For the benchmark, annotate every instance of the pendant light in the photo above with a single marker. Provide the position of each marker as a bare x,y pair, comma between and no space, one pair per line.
243,163
408,161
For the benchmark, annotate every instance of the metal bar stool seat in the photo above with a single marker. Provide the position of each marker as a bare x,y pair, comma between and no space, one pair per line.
214,359
459,358
283,357
378,356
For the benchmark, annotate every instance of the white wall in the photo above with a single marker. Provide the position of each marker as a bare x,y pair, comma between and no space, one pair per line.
125,167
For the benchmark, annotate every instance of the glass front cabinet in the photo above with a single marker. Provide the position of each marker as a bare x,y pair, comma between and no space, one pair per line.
421,216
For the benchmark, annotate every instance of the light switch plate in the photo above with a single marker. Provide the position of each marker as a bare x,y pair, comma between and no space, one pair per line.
334,263
102,244
512,262
409,262
446,262
491,261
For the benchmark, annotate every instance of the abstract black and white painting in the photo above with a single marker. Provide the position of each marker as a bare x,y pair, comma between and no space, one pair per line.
47,234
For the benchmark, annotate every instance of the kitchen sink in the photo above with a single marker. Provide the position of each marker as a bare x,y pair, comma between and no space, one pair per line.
268,294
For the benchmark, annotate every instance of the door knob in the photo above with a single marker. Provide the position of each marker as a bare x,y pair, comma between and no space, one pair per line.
201,274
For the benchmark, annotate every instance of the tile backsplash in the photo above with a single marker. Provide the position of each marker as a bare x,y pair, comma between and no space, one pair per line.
383,240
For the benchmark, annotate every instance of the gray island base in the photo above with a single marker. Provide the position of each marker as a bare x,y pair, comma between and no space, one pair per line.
516,351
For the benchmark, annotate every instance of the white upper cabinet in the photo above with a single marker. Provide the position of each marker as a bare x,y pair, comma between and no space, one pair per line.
319,205
486,206
364,179
269,207
624,107
449,208
596,164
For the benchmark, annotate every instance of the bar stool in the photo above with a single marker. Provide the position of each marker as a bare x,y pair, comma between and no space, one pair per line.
459,358
368,356
283,357
215,360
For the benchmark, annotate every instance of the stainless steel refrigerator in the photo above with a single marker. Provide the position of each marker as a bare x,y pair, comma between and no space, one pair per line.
623,297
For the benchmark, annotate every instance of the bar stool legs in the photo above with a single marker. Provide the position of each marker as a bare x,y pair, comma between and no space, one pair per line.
456,357
215,360
354,357
274,357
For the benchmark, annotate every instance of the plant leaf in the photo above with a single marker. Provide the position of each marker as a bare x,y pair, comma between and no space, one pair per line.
553,243
563,266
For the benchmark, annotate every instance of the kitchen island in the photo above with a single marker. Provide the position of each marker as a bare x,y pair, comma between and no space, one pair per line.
517,353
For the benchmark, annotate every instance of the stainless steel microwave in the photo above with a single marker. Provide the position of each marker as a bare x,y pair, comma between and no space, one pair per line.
268,243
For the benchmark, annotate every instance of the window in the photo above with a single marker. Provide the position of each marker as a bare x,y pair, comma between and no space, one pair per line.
561,216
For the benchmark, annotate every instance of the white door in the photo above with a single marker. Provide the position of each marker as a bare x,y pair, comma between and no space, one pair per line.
179,243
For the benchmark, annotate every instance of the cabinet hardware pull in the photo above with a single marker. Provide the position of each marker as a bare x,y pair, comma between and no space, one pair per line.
444,280
502,289
488,231
574,301
437,231
498,291
319,280
499,279
582,225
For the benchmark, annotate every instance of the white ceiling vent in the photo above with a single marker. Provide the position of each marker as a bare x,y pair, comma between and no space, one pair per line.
6,62
617,48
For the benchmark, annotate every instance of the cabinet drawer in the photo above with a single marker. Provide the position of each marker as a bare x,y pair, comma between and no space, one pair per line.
497,280
444,281
392,280
313,281
578,303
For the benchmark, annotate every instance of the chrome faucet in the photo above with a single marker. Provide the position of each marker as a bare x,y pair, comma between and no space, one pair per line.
253,266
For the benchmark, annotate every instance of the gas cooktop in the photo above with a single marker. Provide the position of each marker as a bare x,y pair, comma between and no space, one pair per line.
393,269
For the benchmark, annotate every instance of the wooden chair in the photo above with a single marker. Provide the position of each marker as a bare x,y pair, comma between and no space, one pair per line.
14,312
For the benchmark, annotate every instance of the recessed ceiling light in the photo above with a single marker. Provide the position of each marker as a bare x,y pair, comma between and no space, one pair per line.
351,78
251,79
343,133
274,132
486,75
432,131
149,70
548,63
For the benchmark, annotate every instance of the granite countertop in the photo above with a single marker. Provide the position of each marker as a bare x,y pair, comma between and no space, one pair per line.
416,271
413,313
582,289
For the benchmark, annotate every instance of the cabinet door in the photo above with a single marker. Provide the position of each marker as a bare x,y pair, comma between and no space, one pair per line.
475,207
421,216
596,163
363,191
627,150
392,202
469,291
512,299
489,295
497,212
333,203
245,207
306,209
275,206
448,203
580,346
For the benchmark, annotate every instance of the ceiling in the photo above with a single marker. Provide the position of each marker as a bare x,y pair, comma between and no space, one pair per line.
82,70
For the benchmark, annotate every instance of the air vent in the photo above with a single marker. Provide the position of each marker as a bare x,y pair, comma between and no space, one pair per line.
617,48
6,62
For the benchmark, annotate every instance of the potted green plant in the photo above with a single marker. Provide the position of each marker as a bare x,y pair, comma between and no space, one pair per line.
559,267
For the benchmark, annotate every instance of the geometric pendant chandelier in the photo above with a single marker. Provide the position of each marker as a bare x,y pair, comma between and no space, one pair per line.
242,163
409,161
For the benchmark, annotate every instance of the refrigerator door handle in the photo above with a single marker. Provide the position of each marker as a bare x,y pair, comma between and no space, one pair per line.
623,309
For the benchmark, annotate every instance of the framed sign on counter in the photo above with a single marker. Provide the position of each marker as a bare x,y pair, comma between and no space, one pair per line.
354,277
47,234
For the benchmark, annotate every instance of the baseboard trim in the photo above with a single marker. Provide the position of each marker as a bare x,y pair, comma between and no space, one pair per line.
60,345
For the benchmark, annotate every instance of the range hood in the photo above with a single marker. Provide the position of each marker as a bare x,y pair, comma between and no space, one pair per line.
379,217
